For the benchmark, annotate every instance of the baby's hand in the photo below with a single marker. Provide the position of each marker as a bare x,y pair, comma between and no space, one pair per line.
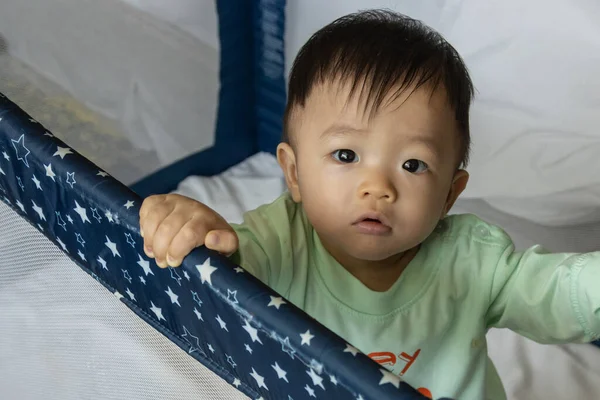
173,225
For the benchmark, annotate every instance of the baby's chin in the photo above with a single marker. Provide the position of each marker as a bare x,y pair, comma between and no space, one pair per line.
376,254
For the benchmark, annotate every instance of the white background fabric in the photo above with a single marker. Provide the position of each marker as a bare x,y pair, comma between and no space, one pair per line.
158,81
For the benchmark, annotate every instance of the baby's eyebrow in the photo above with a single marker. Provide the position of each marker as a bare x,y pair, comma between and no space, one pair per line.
341,129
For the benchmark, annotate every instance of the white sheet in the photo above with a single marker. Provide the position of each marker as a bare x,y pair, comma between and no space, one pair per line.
530,371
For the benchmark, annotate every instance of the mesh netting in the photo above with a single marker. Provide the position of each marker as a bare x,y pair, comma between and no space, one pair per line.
64,336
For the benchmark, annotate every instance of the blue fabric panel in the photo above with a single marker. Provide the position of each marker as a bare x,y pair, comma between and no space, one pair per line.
251,97
222,316
269,50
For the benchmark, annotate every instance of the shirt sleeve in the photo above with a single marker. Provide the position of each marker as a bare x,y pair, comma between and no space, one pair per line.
265,242
547,297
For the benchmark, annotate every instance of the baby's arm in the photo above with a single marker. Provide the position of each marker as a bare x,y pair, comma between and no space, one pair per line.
547,297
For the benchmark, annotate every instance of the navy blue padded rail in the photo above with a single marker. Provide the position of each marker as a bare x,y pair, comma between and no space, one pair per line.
212,309
251,97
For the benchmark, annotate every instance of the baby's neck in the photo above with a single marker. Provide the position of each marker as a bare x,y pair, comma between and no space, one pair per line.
378,276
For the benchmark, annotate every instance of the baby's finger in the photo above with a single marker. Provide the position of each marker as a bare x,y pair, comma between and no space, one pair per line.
149,203
168,229
225,241
190,236
151,222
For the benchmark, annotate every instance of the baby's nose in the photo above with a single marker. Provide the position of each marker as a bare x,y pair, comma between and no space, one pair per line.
379,190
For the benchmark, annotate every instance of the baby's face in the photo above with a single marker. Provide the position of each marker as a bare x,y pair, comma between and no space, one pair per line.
374,187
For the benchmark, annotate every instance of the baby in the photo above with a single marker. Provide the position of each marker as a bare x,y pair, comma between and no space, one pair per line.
375,142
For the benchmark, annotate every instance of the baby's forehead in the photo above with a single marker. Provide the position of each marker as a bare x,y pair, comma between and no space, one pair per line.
356,101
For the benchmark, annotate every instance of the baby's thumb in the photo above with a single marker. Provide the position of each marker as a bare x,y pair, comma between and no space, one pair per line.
225,241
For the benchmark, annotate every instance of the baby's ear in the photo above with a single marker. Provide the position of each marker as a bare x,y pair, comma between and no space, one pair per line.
287,161
459,183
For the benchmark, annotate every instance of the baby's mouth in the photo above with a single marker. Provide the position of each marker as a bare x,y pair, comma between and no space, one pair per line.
372,224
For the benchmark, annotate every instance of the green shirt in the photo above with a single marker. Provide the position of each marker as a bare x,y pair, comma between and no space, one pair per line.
430,326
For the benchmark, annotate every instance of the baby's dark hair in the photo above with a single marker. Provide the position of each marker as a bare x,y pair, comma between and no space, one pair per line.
380,51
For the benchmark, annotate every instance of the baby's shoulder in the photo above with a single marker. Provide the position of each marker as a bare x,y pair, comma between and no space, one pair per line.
470,228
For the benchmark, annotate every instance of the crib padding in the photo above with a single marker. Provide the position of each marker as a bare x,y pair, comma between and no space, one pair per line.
222,316
251,96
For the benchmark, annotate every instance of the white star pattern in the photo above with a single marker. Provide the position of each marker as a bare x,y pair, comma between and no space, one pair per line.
212,350
174,298
196,298
318,367
287,348
260,381
311,392
130,240
95,214
80,239
157,311
61,222
129,204
102,263
112,247
236,382
145,265
109,216
230,361
2,171
81,255
351,349
222,323
21,206
306,338
252,332
248,348
316,379
333,380
49,172
198,314
21,155
238,270
281,374
126,275
389,377
276,302
130,294
20,182
102,174
62,152
38,210
192,340
37,183
5,155
206,270
175,276
71,179
232,296
62,245
82,213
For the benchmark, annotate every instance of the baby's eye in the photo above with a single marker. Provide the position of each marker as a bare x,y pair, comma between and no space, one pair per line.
345,156
415,166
